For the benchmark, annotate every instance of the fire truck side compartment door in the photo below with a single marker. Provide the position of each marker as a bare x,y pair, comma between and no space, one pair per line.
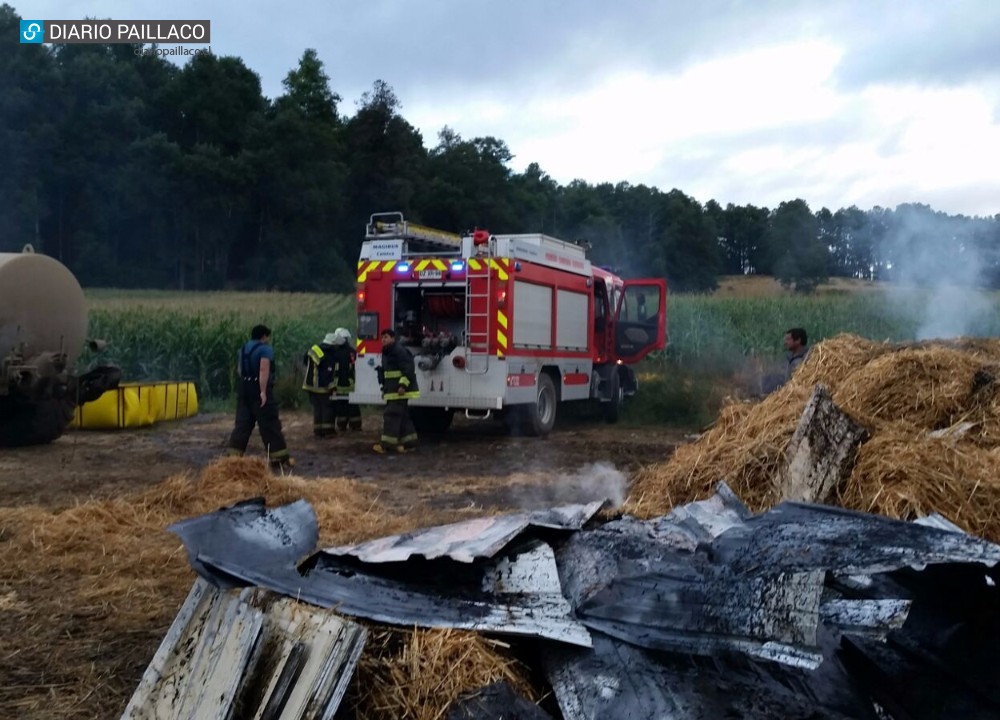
641,319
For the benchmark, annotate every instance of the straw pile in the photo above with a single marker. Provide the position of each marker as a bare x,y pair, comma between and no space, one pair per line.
88,593
903,394
416,675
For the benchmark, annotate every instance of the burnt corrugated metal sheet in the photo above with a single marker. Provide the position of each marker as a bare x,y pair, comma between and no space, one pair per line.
801,537
397,602
248,533
703,520
706,612
710,578
247,545
943,661
625,581
618,680
468,540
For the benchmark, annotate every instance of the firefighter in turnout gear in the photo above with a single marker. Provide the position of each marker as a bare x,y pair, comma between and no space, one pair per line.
399,386
255,404
320,383
347,416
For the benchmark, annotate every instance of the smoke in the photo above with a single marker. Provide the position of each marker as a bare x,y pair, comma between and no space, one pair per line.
953,312
937,265
592,482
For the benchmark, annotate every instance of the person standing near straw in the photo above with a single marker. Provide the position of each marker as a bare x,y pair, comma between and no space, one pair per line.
796,342
255,404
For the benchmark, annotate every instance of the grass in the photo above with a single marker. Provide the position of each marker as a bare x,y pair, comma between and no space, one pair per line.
715,342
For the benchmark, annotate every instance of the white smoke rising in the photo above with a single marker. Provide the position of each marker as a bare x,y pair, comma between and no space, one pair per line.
937,268
952,312
595,481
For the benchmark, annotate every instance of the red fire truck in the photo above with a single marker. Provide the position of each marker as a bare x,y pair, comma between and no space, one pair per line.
506,325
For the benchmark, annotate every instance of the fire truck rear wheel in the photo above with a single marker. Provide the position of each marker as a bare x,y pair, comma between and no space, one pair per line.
431,420
541,414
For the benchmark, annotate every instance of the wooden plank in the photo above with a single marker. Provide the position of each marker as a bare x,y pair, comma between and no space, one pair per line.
821,453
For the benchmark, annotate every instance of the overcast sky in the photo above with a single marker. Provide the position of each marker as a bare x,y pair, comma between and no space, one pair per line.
861,102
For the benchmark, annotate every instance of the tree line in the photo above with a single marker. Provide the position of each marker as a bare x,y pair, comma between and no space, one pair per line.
137,173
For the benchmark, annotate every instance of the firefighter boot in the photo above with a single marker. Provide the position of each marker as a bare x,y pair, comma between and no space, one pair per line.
379,448
283,466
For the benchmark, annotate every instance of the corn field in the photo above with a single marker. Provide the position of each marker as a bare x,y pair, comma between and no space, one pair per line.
159,335
721,333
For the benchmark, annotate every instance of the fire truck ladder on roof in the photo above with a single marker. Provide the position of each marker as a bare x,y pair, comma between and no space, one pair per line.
392,226
477,313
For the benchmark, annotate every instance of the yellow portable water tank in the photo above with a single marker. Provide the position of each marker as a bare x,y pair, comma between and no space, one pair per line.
132,405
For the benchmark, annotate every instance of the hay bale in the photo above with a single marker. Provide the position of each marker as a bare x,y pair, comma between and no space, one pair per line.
930,387
904,473
746,450
900,391
831,361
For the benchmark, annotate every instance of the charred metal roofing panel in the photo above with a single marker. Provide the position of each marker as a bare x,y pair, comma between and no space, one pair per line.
353,592
801,537
617,680
465,541
249,533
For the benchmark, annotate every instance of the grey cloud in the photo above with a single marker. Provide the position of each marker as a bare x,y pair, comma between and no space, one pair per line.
445,47
521,48
924,42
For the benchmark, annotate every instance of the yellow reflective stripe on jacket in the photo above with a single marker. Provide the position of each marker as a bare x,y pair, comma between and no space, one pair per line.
393,373
404,381
412,395
315,354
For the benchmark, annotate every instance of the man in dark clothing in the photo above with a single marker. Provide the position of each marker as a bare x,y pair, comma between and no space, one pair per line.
319,383
795,343
255,403
399,386
348,416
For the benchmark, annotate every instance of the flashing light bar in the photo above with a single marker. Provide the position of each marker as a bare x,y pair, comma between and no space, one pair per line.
457,266
403,267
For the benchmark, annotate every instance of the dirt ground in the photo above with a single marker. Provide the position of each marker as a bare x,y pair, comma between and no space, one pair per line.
72,648
475,463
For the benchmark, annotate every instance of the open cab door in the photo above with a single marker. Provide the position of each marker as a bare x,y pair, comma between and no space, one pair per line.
641,319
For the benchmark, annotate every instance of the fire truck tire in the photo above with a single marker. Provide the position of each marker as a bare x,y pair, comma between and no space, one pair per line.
540,416
613,408
430,420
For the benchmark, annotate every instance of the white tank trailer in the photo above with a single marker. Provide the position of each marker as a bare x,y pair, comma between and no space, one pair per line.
43,330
